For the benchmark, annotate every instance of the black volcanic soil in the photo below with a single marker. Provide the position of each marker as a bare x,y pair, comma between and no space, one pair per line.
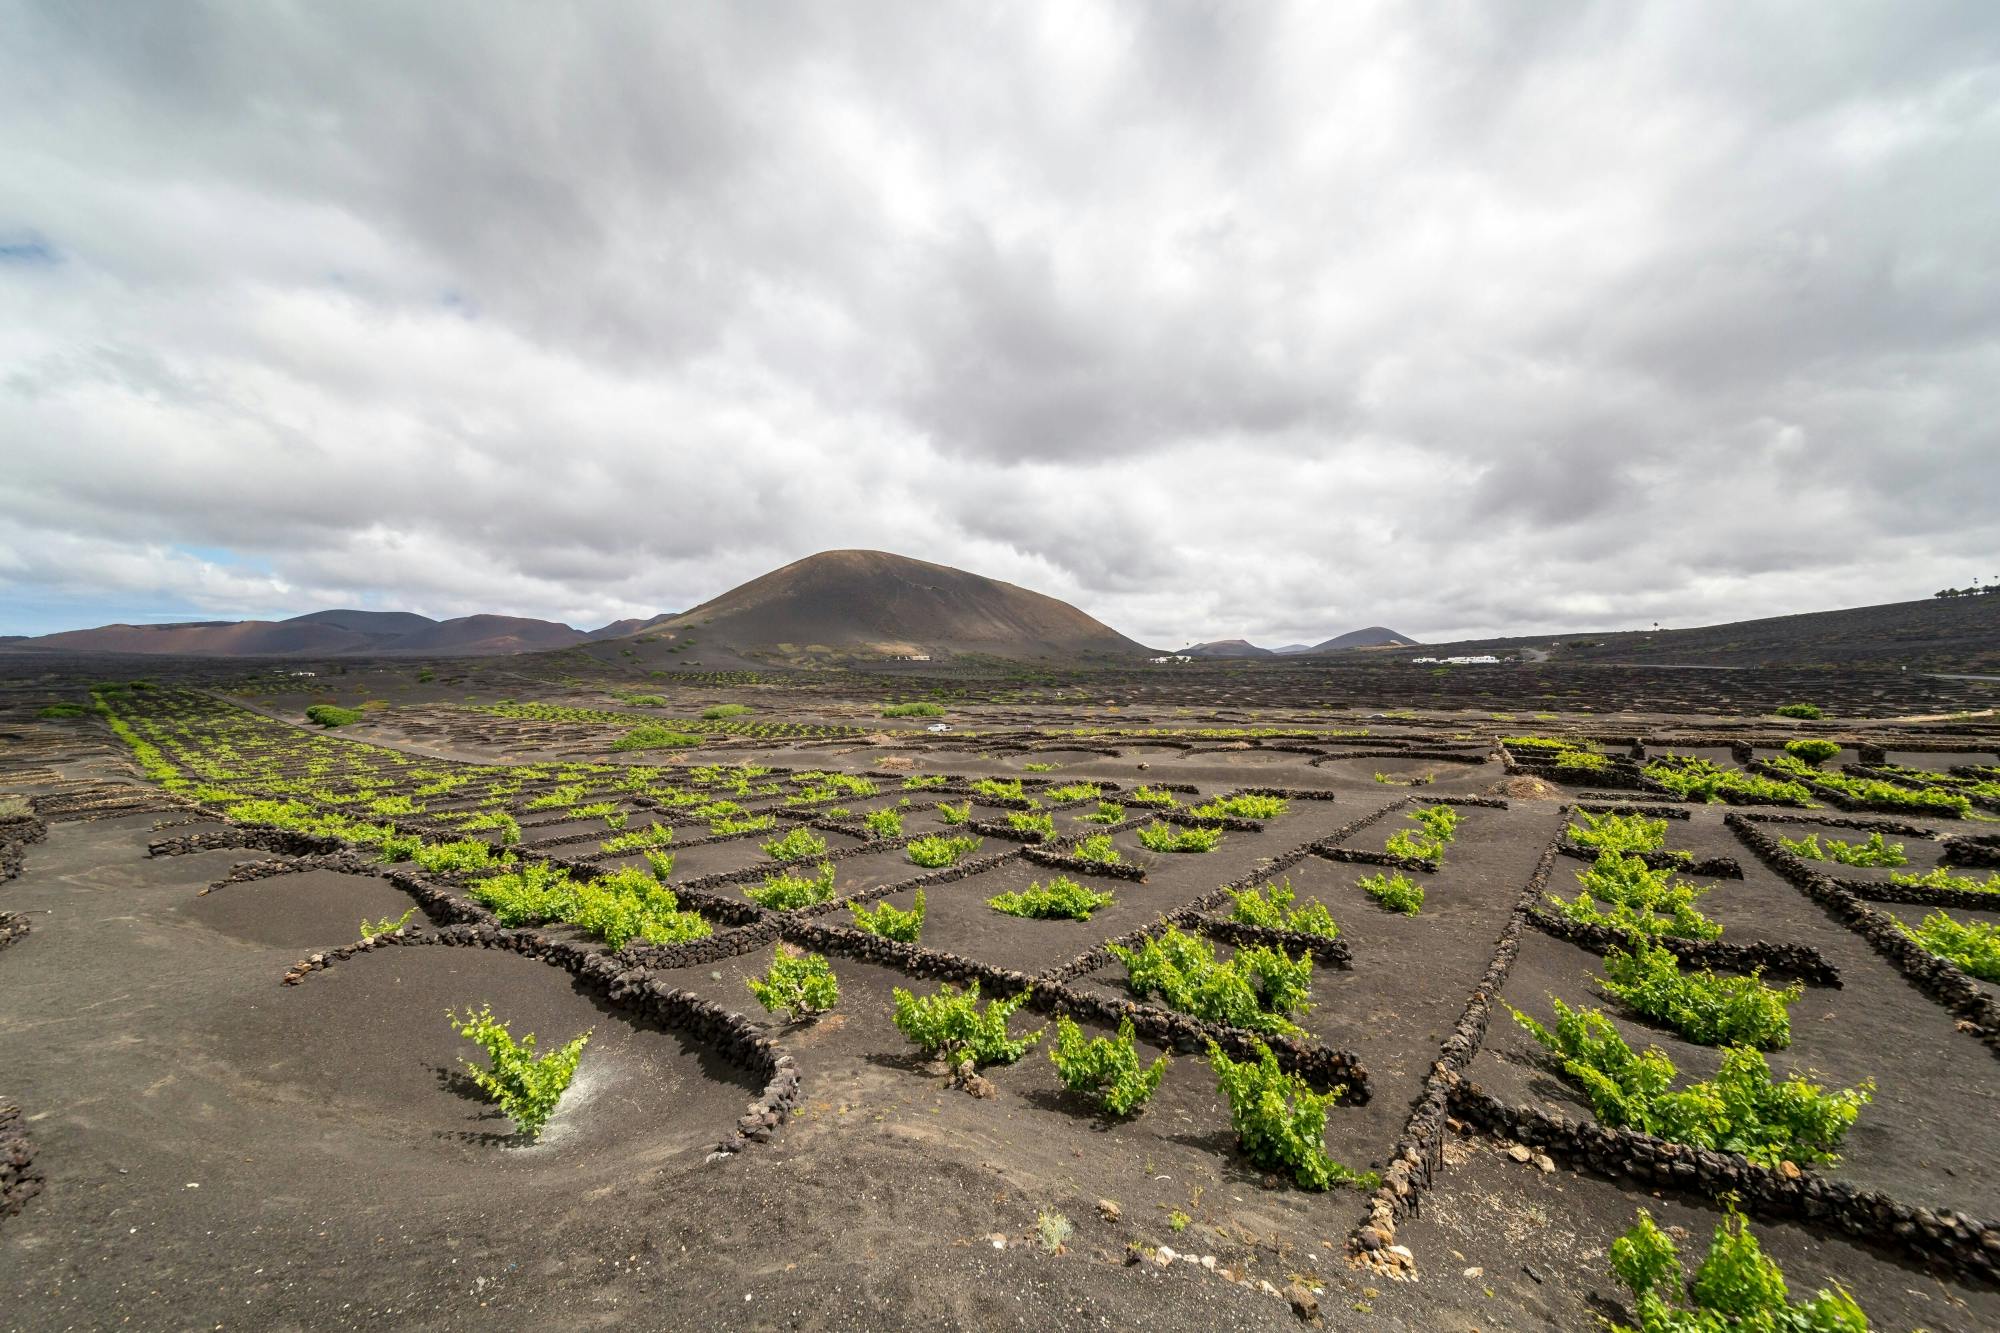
225,1150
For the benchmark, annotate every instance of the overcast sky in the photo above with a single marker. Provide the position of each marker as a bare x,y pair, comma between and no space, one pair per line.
1243,319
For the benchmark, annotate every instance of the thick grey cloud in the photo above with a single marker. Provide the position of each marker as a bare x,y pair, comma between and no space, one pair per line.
1216,319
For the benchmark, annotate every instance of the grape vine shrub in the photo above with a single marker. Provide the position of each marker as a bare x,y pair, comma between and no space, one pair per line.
1737,1286
1280,1122
1394,892
800,985
937,851
526,1086
1062,897
1741,1110
1107,1070
1274,908
951,1026
1706,1009
890,922
1258,989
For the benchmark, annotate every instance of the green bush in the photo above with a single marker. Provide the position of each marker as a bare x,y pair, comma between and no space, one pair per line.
1706,1009
1257,989
1812,750
1000,789
954,814
938,850
1736,1287
1072,791
333,715
1810,712
1395,892
1106,1069
62,710
1032,821
1151,796
1696,779
1624,834
526,1086
1242,806
1740,1110
1098,848
797,984
801,844
639,839
466,854
1942,878
1107,812
1159,837
784,892
655,736
1280,1121
1624,894
1873,852
1973,945
891,923
1061,897
950,1025
914,710
1275,908
730,824
385,926
721,711
630,904
922,781
883,823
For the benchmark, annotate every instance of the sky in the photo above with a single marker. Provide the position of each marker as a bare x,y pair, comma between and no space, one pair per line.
1231,320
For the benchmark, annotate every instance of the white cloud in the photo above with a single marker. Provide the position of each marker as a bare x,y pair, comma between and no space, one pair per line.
1217,320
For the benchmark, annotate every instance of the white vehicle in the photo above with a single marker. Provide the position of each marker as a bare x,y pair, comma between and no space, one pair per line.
938,726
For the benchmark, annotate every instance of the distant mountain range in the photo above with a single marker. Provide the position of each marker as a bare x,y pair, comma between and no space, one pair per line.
1375,636
337,633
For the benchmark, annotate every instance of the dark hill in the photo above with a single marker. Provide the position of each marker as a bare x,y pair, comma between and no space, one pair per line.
1937,634
212,638
874,604
1228,648
618,629
383,625
1375,636
484,634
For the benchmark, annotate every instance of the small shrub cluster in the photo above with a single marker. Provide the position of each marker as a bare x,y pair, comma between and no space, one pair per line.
721,711
1930,800
1437,825
951,1025
785,892
1740,1110
1942,878
1624,894
639,839
619,907
1062,897
1107,812
1151,796
1973,945
883,823
385,926
1032,821
1097,847
954,814
1106,1069
1810,712
655,736
1275,907
1395,892
1073,791
333,715
914,710
1693,778
465,854
1625,834
526,1086
801,844
937,851
796,984
1242,806
1812,750
1257,989
1873,852
924,781
890,922
1280,1121
1159,837
1737,1286
1706,1009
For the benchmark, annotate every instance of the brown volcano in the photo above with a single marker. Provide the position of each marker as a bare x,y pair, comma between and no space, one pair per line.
875,603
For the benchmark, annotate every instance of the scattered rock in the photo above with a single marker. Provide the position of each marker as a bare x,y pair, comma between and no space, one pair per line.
1520,1152
1304,1304
1544,1162
1108,1209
